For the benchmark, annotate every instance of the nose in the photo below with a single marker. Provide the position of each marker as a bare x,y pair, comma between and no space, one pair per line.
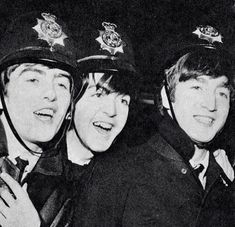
209,101
110,105
49,92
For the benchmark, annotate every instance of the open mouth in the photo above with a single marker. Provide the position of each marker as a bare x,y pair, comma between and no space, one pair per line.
205,120
103,126
45,114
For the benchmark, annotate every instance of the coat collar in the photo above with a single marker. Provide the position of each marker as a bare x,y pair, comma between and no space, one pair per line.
176,137
52,165
46,165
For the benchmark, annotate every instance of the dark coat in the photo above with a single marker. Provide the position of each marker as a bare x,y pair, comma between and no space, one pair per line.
50,184
152,185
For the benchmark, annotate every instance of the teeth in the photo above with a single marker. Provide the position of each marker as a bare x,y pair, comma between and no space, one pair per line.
45,112
103,125
204,120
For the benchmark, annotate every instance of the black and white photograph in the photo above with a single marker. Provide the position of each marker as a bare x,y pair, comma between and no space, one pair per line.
117,113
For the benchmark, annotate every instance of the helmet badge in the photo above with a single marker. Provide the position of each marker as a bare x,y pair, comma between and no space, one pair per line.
50,31
110,40
208,33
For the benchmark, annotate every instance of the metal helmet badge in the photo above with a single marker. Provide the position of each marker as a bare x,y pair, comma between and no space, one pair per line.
110,40
208,33
49,30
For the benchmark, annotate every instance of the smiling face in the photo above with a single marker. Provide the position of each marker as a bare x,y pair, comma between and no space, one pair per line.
201,106
100,115
37,99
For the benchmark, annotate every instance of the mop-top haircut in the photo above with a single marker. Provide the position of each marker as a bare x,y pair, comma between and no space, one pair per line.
202,62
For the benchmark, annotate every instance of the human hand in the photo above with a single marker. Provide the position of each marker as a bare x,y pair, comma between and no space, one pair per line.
17,209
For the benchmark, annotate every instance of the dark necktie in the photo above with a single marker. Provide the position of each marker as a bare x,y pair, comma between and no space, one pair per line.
21,164
198,170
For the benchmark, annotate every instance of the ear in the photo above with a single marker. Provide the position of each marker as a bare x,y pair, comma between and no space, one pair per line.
165,101
68,116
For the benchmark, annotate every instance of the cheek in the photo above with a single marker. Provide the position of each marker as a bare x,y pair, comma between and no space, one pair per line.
81,117
122,116
181,107
64,102
223,109
19,100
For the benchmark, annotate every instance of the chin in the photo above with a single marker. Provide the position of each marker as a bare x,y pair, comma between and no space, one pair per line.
45,138
203,140
100,148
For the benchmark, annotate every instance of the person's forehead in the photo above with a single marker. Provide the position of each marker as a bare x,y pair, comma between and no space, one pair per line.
220,81
40,69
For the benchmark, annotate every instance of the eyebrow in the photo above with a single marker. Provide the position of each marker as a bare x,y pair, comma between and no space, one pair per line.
105,89
58,75
222,84
31,69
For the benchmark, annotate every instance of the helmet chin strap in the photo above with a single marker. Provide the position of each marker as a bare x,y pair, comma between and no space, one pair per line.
43,154
12,126
169,101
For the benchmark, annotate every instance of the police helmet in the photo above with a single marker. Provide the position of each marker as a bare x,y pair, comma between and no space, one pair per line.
42,38
105,47
206,48
204,41
38,37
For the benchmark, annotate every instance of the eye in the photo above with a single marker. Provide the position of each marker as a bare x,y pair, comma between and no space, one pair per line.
196,87
32,80
65,86
224,94
30,76
63,82
126,100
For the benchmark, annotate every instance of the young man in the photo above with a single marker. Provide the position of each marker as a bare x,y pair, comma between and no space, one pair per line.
181,175
38,68
106,63
187,171
100,115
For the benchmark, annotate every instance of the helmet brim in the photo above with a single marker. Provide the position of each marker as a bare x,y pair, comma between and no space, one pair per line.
99,65
46,57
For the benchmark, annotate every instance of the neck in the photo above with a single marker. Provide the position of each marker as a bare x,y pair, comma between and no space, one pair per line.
77,152
199,153
14,145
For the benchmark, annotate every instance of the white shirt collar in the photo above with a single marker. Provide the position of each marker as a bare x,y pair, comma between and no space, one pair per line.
200,157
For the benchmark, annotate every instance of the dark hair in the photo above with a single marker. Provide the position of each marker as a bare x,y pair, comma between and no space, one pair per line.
5,76
206,61
116,81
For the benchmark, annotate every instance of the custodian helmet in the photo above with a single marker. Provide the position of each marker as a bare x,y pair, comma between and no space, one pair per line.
205,47
39,38
204,41
105,48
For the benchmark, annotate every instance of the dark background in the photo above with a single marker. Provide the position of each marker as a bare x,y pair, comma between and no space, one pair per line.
154,26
